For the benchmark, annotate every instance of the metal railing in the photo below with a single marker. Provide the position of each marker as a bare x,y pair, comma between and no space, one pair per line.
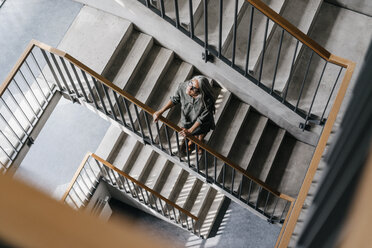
24,96
93,169
82,84
284,69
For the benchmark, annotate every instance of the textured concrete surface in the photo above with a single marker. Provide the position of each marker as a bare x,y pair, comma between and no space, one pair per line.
362,6
239,229
23,20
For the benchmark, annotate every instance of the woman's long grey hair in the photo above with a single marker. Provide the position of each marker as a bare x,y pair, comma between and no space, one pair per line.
206,92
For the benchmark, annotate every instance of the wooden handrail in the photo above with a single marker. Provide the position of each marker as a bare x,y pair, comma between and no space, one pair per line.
298,34
107,164
77,173
164,120
287,230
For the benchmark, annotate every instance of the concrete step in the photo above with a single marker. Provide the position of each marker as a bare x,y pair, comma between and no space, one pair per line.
266,152
213,21
309,10
290,165
155,66
122,156
245,145
154,170
139,161
235,113
82,42
129,59
257,38
209,211
110,141
185,187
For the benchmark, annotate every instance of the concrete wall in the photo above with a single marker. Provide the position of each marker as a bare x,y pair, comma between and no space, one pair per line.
361,6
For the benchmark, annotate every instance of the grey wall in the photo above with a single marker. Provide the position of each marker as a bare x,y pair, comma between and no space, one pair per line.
361,6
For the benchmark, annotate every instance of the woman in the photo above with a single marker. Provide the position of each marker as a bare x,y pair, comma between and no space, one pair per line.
197,107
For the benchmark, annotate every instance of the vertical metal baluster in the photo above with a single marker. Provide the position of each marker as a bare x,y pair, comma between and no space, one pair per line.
85,184
191,12
249,41
162,10
123,183
156,204
187,152
60,73
197,157
304,80
52,69
79,82
276,203
130,189
205,4
330,95
249,191
110,102
223,175
206,163
175,216
37,83
240,188
73,201
136,190
6,154
234,33
158,131
148,199
177,13
258,196
12,114
232,181
148,127
100,95
42,73
120,109
28,85
139,122
143,196
220,29
285,207
70,77
90,89
315,93
162,207
19,107
193,225
24,96
108,174
94,174
263,49
267,200
168,139
11,144
291,71
129,114
178,145
147,3
180,218
215,169
90,180
81,188
277,61
82,201
11,129
187,221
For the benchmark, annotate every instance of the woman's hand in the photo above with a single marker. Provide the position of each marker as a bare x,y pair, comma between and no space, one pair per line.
185,132
156,115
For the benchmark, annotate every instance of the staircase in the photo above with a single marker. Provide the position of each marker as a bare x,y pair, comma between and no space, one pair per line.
138,64
151,73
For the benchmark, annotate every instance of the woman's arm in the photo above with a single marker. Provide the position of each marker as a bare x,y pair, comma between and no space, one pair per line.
162,110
